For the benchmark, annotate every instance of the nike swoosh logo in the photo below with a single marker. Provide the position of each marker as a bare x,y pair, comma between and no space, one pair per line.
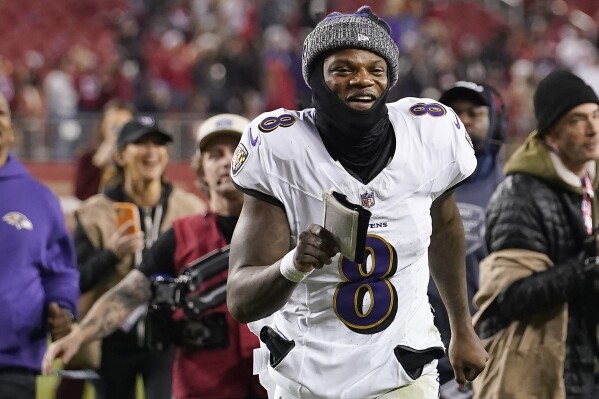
253,141
457,120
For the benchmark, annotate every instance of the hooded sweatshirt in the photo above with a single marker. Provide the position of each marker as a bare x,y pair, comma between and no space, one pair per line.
37,266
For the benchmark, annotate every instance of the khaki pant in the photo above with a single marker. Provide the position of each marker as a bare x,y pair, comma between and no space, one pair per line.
425,387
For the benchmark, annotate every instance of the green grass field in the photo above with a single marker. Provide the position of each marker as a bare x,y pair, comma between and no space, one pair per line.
47,385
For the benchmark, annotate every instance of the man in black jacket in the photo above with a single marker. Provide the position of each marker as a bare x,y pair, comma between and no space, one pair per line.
537,313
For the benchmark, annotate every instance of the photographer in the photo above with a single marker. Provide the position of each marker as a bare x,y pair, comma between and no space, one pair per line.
537,301
218,370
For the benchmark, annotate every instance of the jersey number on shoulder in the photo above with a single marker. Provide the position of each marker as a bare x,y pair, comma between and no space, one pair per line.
432,109
367,302
272,122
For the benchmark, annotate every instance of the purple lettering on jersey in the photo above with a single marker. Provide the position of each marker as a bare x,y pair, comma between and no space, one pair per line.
359,282
432,109
270,123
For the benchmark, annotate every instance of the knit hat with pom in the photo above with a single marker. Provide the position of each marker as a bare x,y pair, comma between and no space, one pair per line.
361,30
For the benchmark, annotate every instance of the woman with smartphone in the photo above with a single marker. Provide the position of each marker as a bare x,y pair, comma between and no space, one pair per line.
219,365
113,231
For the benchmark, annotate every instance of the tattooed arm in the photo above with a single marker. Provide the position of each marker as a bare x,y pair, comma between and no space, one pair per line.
107,314
113,308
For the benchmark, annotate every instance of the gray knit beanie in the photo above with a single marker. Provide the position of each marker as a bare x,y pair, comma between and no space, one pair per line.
361,30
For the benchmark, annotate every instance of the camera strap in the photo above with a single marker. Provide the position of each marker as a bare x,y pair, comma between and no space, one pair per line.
587,204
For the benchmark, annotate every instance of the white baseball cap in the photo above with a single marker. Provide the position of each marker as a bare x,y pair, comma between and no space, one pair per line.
227,124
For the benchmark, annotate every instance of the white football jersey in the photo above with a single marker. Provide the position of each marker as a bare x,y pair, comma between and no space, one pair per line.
346,319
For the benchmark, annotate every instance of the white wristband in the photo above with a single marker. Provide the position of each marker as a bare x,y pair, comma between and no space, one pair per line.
288,269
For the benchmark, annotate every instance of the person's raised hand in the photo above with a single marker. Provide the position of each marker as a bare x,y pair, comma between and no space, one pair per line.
123,243
316,247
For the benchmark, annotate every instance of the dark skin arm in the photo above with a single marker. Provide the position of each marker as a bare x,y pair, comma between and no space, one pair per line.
107,314
59,320
255,286
447,265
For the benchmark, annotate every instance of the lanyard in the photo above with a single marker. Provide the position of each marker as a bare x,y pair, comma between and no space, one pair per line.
587,206
151,225
151,228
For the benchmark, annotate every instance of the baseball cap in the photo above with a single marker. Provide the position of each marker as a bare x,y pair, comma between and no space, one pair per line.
136,128
221,124
463,90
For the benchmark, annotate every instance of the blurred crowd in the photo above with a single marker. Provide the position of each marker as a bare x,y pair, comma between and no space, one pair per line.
108,85
204,57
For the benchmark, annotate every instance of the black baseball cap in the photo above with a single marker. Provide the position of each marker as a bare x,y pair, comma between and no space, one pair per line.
470,91
139,127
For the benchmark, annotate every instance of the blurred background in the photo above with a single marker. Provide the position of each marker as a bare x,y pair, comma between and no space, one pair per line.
182,61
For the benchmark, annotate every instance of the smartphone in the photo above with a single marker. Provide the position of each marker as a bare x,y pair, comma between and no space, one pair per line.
125,212
85,374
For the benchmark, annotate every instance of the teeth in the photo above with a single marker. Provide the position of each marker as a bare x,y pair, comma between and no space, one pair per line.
362,98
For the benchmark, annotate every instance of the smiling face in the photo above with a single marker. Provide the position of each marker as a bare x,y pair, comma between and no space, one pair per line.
575,137
216,166
357,77
144,160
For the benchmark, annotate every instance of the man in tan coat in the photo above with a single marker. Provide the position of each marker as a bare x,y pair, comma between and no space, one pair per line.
537,312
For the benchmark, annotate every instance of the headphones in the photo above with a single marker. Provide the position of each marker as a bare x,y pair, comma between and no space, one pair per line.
498,112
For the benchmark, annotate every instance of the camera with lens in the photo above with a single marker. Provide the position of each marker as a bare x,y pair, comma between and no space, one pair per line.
177,312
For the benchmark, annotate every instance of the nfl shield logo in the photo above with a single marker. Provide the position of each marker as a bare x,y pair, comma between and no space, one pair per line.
367,199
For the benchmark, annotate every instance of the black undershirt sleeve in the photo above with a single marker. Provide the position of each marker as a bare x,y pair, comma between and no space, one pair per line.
160,258
93,263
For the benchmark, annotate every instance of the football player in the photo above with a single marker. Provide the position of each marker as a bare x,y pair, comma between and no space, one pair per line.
332,327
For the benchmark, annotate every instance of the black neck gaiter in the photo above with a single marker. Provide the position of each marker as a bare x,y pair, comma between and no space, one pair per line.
362,141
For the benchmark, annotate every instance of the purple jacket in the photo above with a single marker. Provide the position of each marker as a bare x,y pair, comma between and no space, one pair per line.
37,265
